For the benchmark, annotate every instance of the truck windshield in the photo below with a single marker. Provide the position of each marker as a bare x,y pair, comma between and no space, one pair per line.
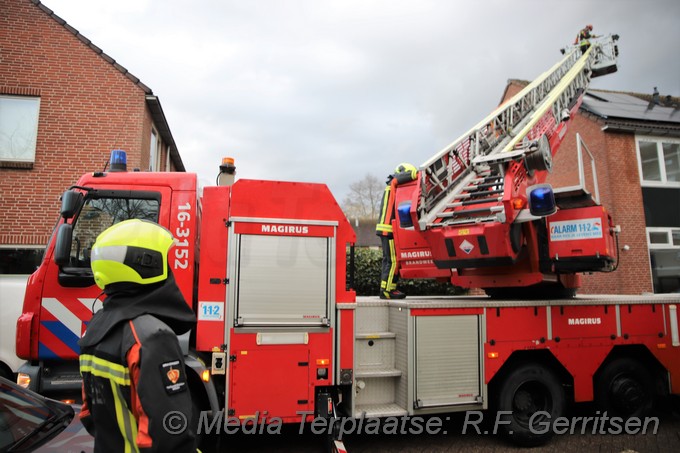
99,214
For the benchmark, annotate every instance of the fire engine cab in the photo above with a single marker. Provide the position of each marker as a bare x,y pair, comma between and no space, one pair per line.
281,334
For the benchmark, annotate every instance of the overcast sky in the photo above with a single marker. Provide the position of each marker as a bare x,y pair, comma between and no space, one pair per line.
329,91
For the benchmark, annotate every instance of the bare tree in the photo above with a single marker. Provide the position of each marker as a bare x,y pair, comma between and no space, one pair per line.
363,200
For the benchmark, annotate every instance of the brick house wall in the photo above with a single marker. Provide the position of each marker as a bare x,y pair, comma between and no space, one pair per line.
620,192
89,105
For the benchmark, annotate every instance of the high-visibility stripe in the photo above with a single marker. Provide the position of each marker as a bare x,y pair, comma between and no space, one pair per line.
393,267
103,368
126,421
384,206
114,253
385,227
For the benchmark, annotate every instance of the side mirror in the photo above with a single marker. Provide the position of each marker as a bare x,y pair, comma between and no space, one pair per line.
71,201
62,246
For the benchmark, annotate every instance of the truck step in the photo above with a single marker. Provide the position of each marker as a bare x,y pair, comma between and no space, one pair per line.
377,372
375,335
380,410
374,350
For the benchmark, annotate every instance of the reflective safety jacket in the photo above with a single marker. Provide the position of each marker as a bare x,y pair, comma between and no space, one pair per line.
135,390
384,225
583,37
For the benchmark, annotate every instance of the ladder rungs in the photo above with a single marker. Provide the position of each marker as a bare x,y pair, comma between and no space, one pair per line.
474,201
479,194
482,186
467,220
451,214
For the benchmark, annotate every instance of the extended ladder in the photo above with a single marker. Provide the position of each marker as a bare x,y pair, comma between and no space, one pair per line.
456,175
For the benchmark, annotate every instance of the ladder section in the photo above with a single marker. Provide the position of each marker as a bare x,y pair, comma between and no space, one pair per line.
537,110
376,376
478,199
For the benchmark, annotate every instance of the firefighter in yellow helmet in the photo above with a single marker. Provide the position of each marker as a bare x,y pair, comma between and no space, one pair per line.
130,359
389,275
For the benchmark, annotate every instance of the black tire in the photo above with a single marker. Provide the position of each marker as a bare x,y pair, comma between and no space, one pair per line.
333,434
529,399
625,388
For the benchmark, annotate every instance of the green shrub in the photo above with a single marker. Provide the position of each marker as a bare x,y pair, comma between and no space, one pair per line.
367,264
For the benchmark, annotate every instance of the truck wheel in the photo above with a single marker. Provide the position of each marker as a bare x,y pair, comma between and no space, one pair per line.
529,399
625,388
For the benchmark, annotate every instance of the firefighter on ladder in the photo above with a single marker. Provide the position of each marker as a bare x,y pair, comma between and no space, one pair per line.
583,38
135,390
390,267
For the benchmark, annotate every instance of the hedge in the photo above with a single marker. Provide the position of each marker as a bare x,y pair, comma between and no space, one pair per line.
367,264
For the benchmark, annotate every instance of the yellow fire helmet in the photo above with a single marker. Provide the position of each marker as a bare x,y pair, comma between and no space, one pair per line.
134,251
407,168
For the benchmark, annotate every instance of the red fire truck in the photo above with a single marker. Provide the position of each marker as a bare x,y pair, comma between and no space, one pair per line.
281,335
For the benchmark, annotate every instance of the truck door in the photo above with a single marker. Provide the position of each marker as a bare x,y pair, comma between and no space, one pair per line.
447,361
280,298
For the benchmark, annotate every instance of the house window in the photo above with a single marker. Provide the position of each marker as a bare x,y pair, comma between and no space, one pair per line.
671,158
18,130
664,252
155,152
659,165
659,162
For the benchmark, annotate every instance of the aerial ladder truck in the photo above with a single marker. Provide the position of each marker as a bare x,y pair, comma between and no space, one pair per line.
281,337
479,211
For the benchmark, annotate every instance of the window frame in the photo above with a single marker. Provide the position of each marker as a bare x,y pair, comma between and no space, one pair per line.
658,141
154,152
669,235
23,162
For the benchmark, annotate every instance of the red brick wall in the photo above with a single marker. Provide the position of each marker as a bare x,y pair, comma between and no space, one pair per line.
87,108
620,192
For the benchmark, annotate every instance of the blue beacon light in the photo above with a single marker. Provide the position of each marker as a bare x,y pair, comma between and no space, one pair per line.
118,160
404,211
542,200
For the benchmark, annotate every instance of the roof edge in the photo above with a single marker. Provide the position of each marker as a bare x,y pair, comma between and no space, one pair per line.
96,49
161,123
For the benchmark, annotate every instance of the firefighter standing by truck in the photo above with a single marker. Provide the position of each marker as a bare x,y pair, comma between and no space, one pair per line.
135,391
389,274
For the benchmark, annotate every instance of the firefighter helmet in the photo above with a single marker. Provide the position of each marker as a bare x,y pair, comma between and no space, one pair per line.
134,251
406,168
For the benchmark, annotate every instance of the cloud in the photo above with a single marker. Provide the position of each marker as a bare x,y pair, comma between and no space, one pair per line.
328,91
